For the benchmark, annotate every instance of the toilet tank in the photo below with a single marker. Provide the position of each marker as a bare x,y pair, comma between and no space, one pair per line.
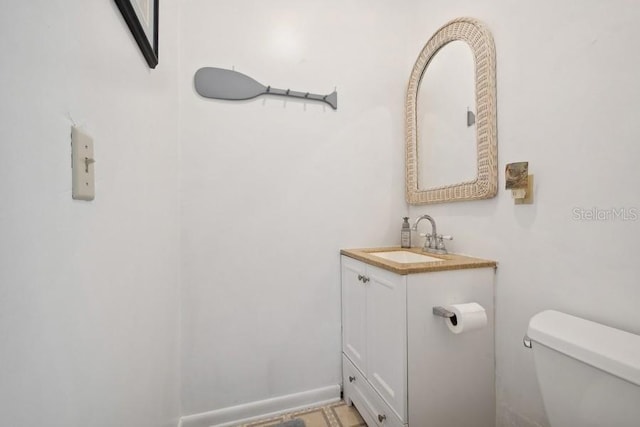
589,374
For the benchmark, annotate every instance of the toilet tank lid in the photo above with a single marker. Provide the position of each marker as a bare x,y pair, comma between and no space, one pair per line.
609,349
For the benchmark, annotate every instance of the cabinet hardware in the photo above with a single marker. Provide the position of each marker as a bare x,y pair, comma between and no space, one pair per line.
365,279
381,418
351,379
360,277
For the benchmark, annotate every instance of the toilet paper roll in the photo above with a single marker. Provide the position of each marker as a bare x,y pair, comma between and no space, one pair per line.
468,317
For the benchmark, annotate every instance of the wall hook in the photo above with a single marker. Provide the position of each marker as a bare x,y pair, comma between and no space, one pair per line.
219,83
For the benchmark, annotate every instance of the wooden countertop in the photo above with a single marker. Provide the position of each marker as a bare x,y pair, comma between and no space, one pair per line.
449,261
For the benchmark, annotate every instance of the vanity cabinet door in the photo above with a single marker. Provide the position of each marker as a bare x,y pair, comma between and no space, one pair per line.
374,336
354,312
387,337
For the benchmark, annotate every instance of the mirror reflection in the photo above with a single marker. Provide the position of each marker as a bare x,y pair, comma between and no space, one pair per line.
446,140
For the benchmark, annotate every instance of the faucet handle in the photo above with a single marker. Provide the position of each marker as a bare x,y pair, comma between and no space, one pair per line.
440,242
429,241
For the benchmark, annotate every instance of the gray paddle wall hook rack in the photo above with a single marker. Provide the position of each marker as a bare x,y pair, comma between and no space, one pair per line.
220,83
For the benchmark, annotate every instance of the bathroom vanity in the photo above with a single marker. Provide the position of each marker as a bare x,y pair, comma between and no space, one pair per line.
402,366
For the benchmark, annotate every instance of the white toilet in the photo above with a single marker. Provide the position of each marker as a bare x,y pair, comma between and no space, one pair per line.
589,374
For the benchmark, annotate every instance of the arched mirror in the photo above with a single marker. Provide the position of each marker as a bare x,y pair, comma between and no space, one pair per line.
451,145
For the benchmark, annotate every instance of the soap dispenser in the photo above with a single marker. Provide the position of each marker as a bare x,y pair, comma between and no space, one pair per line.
405,233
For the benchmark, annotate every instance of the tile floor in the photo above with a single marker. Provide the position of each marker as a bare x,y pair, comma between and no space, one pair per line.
337,414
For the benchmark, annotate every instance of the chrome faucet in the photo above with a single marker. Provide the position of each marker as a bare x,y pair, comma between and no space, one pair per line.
433,242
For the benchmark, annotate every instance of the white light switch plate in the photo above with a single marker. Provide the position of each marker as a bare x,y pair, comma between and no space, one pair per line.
82,165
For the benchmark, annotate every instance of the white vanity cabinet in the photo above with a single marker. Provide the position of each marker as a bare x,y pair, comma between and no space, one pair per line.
402,366
375,334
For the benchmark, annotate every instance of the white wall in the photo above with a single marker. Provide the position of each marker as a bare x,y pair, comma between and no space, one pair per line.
89,291
567,93
273,188
266,180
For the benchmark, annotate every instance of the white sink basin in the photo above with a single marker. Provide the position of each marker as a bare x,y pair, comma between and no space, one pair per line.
405,257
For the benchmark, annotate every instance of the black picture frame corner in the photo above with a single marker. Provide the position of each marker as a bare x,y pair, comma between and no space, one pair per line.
148,47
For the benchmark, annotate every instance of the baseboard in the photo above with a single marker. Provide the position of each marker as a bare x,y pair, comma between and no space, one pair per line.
247,412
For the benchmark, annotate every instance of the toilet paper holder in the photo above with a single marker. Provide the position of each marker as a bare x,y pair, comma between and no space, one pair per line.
443,312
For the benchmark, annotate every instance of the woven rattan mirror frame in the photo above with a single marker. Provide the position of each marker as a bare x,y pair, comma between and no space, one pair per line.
485,186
